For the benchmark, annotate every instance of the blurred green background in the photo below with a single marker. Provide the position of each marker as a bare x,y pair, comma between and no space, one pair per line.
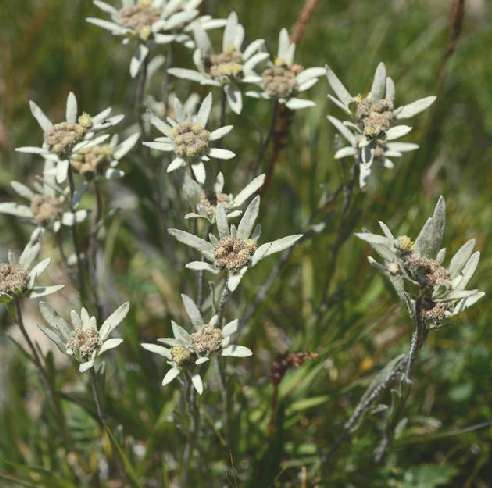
47,49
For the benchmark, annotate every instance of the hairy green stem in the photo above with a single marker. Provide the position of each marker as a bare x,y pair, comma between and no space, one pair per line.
48,384
73,229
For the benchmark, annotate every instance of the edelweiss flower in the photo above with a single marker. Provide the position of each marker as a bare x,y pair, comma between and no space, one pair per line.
372,130
283,79
189,351
83,340
205,200
442,289
188,139
236,250
92,162
161,21
228,67
17,279
46,205
63,139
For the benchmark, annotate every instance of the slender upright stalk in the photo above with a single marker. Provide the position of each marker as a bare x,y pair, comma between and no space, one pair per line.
223,108
220,363
48,384
190,398
102,420
166,85
266,142
364,406
93,248
73,229
98,399
226,294
140,95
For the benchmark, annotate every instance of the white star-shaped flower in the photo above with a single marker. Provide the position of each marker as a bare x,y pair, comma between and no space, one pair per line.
283,80
83,340
236,250
187,352
371,132
228,67
188,139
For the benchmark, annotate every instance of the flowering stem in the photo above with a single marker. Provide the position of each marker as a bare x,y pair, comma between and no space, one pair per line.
226,294
418,338
223,120
139,98
191,402
223,108
302,20
60,417
73,229
264,147
97,398
419,335
94,245
102,420
226,405
364,405
166,85
343,234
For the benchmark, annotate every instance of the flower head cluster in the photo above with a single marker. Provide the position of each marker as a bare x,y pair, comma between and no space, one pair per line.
228,67
205,200
18,278
236,250
66,138
82,340
441,289
283,80
160,21
372,129
188,139
46,206
187,352
102,160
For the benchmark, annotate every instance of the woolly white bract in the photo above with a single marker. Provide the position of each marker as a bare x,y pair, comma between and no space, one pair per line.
236,250
283,80
82,339
371,130
442,289
18,277
188,139
62,140
188,352
159,21
227,68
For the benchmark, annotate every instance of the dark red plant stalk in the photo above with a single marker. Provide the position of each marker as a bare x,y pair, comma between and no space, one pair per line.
280,366
286,116
279,141
302,20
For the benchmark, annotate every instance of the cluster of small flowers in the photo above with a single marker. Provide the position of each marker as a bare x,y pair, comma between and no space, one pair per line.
371,132
71,145
442,292
78,144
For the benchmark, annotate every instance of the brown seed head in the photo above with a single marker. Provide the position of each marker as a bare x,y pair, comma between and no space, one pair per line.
233,254
13,277
279,81
61,138
84,343
208,339
45,208
140,18
190,140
